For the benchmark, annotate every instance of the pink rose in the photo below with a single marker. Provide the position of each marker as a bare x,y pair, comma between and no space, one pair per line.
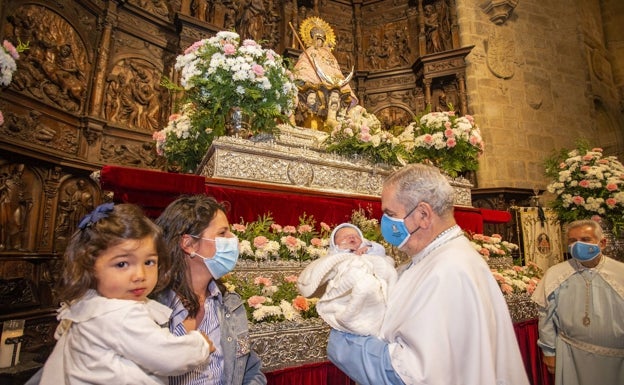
588,157
596,218
484,251
612,186
585,168
578,200
611,202
584,183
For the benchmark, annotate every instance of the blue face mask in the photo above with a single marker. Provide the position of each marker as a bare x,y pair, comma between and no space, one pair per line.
394,230
583,251
225,257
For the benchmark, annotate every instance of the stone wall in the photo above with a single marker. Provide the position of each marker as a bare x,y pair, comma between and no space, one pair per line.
538,81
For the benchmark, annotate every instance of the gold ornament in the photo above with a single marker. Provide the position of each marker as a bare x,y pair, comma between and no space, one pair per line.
316,23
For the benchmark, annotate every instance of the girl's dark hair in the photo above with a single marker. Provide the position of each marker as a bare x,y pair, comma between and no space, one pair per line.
186,215
124,222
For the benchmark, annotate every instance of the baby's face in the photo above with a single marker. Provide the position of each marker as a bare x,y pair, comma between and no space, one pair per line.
347,238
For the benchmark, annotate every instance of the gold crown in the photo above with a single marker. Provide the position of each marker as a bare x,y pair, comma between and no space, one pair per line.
314,26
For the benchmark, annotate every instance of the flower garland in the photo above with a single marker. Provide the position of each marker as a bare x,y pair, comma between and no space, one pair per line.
518,279
587,185
272,299
492,246
443,139
266,240
217,75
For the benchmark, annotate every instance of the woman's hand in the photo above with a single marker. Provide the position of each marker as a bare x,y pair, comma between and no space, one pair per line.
549,361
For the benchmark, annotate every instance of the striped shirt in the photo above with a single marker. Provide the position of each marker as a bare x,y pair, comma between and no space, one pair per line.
210,373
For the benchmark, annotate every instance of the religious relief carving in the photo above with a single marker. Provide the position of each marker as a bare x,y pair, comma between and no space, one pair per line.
76,199
55,67
127,153
499,10
251,21
156,7
31,128
393,116
16,203
436,26
387,49
133,95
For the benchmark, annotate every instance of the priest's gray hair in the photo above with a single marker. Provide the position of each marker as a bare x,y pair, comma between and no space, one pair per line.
586,222
417,183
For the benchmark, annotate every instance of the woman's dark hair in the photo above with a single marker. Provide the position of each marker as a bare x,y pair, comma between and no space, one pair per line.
186,215
124,222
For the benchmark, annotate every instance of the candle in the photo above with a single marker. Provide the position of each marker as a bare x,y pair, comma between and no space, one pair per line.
9,353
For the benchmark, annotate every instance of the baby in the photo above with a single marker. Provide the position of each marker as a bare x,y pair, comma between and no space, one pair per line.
358,275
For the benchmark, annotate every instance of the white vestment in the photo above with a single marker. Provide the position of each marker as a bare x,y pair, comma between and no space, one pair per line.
447,321
590,354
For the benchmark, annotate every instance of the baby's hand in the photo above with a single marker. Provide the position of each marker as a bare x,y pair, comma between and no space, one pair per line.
361,250
210,344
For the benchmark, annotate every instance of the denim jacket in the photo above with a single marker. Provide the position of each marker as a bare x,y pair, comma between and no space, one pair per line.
241,364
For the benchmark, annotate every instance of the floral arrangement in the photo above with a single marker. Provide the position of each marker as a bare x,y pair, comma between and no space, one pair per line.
492,246
220,74
8,55
451,143
443,139
359,133
587,185
518,279
266,240
274,299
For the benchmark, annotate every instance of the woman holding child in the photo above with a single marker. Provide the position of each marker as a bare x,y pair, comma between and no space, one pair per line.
203,249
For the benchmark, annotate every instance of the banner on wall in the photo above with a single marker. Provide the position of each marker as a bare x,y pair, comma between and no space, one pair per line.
541,236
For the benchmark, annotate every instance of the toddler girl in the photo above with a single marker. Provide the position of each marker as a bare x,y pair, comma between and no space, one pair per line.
109,331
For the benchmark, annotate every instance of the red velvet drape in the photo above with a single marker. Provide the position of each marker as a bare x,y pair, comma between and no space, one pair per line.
154,190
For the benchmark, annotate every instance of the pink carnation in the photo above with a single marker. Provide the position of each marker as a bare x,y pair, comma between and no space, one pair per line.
610,202
451,142
260,241
317,242
229,49
325,226
291,278
275,227
194,47
365,137
612,186
291,241
301,303
239,227
305,229
263,281
258,70
506,288
584,183
289,229
10,48
428,139
256,300
578,200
